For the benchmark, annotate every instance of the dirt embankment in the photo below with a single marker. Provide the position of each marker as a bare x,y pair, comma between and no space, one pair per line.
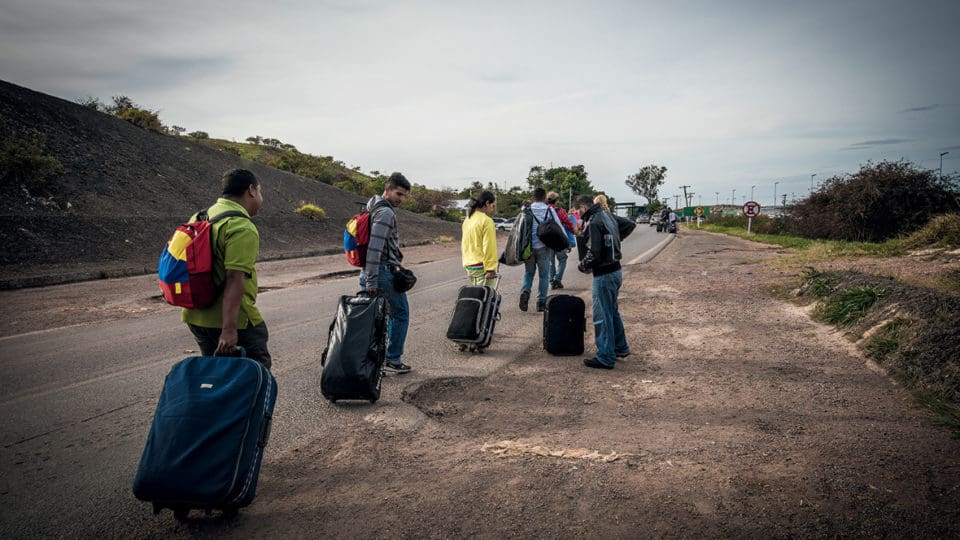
735,416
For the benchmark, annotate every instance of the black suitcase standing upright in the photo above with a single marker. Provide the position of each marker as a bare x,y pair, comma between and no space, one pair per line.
356,349
564,324
208,435
474,316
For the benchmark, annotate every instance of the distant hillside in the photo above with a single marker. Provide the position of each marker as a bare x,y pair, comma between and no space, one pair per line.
123,189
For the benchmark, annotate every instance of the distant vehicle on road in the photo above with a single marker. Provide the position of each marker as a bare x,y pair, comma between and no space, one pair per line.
654,220
643,219
506,225
498,220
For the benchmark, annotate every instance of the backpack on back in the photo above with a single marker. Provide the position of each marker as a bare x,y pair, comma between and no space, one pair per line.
356,236
185,269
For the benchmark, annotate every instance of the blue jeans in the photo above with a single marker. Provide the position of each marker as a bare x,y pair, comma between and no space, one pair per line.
399,312
557,267
538,262
607,324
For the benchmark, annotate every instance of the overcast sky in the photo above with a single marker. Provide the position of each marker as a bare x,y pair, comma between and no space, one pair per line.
725,94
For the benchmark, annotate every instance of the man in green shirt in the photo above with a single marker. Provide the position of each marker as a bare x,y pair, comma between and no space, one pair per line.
234,319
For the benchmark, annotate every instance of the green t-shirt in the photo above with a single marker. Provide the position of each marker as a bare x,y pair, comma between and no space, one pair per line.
237,246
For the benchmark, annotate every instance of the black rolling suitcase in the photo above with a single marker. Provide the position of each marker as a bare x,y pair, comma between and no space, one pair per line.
564,324
208,435
474,316
356,349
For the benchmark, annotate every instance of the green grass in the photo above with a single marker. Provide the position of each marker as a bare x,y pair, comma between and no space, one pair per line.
312,211
806,250
945,413
847,307
888,340
820,284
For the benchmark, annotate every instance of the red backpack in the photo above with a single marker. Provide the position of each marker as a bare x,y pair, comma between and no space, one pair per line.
356,236
185,269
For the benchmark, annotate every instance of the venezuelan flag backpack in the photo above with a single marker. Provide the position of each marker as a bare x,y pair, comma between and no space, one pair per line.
356,236
185,270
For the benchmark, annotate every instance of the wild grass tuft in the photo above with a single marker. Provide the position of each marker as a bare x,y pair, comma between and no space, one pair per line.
312,211
847,307
888,340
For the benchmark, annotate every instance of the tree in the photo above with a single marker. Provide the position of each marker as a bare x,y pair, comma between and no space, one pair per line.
647,181
256,139
567,181
120,104
177,130
535,177
92,102
198,135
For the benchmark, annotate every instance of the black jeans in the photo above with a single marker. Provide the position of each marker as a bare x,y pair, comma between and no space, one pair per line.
252,338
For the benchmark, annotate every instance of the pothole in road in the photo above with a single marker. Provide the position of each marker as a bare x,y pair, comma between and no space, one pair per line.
438,398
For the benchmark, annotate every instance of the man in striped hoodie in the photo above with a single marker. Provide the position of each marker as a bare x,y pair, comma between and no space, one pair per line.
383,257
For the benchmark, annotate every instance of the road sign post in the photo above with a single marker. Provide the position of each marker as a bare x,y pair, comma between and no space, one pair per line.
699,212
751,209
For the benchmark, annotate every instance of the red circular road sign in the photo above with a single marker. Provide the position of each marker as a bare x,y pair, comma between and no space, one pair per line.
751,209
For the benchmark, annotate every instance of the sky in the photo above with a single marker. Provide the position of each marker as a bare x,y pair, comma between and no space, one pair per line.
728,95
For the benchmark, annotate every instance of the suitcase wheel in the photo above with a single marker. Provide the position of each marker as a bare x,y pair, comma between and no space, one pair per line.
462,347
373,400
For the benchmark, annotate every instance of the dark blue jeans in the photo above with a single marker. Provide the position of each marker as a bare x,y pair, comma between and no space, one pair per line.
608,330
399,312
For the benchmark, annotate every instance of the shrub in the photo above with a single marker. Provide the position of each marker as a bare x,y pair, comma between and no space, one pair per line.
148,120
877,203
24,161
312,211
198,135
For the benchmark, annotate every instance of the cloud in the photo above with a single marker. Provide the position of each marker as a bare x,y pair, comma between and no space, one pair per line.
949,148
875,143
921,109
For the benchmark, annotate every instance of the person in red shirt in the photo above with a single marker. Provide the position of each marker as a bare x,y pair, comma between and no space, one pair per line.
560,264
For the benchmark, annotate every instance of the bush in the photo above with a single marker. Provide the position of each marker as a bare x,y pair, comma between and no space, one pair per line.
848,306
312,211
24,161
142,118
877,203
198,135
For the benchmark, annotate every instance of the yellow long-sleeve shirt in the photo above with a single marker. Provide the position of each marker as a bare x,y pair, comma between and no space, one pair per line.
479,242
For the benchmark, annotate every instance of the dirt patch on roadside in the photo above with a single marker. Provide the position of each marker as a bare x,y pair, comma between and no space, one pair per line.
735,416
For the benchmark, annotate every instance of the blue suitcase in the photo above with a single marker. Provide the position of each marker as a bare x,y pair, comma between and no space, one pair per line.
208,435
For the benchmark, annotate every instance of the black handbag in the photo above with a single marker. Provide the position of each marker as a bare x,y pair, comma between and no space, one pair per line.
403,279
551,233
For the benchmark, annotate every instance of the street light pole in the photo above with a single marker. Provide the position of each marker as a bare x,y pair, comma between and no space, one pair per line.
941,163
811,182
733,197
751,192
775,194
718,197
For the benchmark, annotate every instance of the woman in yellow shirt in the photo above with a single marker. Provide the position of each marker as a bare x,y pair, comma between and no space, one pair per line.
478,245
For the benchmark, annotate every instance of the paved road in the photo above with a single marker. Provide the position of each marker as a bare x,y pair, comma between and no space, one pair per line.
76,402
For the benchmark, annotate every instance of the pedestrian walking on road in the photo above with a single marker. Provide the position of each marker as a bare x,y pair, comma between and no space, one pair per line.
478,245
234,318
602,259
539,261
559,263
383,261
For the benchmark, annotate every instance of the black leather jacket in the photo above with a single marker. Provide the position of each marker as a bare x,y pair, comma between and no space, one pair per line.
603,242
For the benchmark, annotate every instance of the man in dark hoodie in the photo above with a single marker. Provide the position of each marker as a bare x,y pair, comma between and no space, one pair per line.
602,259
383,257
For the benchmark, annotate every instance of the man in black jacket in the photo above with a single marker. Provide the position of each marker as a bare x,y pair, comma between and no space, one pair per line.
602,259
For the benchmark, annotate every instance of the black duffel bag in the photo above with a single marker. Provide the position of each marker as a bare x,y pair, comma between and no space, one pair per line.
403,279
551,233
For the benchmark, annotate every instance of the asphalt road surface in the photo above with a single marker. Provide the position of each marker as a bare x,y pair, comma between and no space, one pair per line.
76,402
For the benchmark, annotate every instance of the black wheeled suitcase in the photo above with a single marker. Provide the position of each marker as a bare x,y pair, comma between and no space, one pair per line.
659,227
564,324
356,349
474,316
208,435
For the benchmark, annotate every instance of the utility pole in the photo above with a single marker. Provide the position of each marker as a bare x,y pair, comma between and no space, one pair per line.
941,163
775,194
784,200
733,197
676,201
718,197
811,182
751,192
686,199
